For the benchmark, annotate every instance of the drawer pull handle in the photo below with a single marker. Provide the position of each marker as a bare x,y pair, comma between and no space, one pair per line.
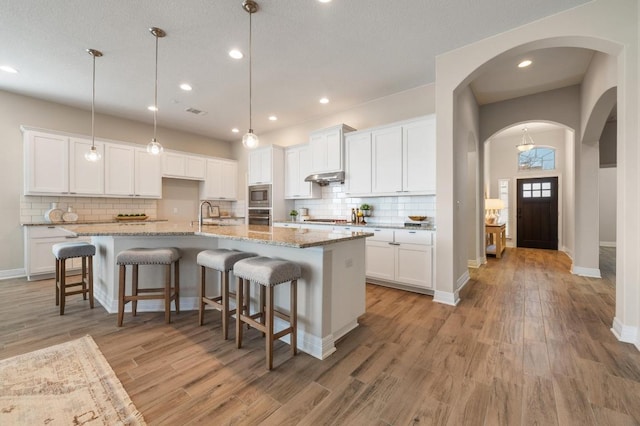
71,236
394,244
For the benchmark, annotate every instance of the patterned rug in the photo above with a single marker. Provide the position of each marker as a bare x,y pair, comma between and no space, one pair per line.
66,384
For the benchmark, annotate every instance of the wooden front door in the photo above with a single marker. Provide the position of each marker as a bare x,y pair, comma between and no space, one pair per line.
537,220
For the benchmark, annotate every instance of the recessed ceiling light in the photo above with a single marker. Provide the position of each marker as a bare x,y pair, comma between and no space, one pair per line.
236,54
324,100
235,130
324,1
7,68
186,87
152,108
273,118
524,63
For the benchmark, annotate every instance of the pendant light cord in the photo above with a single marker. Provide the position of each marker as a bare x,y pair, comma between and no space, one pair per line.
250,68
93,105
155,94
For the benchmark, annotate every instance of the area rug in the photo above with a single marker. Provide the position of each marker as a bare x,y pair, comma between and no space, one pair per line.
66,384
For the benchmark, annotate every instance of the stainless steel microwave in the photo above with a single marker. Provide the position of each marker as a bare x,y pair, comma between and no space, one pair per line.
259,196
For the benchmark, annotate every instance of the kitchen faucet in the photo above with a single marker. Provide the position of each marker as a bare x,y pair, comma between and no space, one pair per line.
202,203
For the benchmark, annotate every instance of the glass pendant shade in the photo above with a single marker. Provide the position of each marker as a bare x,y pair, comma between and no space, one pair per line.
250,140
154,147
93,154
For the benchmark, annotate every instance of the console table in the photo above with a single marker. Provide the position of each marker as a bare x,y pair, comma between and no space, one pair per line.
496,238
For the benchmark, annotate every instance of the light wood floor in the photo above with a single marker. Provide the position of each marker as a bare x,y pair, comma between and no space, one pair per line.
529,344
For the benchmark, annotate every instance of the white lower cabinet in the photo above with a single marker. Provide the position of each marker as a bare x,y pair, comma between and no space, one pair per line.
401,256
39,240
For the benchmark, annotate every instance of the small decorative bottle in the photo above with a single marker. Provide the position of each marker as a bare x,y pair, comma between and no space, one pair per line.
353,216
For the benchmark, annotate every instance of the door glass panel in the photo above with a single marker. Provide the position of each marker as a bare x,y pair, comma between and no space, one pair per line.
526,194
526,186
536,185
546,193
546,185
536,194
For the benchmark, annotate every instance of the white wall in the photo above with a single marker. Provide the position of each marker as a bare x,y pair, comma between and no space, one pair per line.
608,200
16,110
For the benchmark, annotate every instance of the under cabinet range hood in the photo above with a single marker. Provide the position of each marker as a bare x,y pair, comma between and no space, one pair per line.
324,179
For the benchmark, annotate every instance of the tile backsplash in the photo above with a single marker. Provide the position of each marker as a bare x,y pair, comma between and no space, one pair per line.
335,204
32,208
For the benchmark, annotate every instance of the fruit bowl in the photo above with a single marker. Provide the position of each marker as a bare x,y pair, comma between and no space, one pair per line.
417,218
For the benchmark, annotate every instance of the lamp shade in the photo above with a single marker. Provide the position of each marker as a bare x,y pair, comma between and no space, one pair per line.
493,204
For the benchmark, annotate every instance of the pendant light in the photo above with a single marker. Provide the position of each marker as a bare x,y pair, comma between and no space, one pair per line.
527,141
93,154
250,140
154,147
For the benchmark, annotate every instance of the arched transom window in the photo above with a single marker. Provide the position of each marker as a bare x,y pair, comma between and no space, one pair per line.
539,158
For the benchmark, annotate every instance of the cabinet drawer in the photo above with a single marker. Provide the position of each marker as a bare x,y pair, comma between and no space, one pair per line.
404,236
48,232
384,235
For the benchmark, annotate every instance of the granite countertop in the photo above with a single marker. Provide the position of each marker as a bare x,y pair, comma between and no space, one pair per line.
89,222
365,226
287,237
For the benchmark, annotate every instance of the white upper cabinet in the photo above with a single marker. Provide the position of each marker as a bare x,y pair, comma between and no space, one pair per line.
358,162
148,174
419,156
85,177
260,166
46,163
297,166
221,181
327,149
183,166
401,159
119,170
386,158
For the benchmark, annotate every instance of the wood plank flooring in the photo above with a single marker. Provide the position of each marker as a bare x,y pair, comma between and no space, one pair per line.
528,344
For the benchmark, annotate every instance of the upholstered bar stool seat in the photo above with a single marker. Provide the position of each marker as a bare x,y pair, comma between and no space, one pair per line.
64,251
149,256
268,273
221,260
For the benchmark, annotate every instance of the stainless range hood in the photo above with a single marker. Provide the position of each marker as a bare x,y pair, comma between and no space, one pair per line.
324,179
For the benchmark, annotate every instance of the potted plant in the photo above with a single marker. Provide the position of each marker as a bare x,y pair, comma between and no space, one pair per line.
293,214
366,209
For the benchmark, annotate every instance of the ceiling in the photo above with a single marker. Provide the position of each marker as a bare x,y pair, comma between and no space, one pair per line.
351,51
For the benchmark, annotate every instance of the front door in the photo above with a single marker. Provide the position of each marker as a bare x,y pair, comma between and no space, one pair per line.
538,213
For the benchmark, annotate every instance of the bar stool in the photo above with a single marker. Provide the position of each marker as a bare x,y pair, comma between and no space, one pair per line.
64,251
268,273
221,260
149,256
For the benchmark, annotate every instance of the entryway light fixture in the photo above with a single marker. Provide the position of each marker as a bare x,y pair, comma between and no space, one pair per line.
526,144
93,154
250,140
154,146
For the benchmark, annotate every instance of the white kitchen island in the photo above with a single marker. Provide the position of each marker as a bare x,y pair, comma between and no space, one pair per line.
331,292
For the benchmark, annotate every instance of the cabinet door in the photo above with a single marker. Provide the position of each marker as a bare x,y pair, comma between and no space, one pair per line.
386,156
333,140
119,170
85,177
260,166
195,167
318,146
292,173
419,156
46,163
174,164
148,174
380,258
358,163
229,174
413,264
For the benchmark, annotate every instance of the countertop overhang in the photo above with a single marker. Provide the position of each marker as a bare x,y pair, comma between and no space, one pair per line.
286,237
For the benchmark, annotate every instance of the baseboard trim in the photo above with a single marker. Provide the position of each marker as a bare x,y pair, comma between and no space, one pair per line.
586,272
462,281
7,274
446,298
476,263
626,333
607,243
